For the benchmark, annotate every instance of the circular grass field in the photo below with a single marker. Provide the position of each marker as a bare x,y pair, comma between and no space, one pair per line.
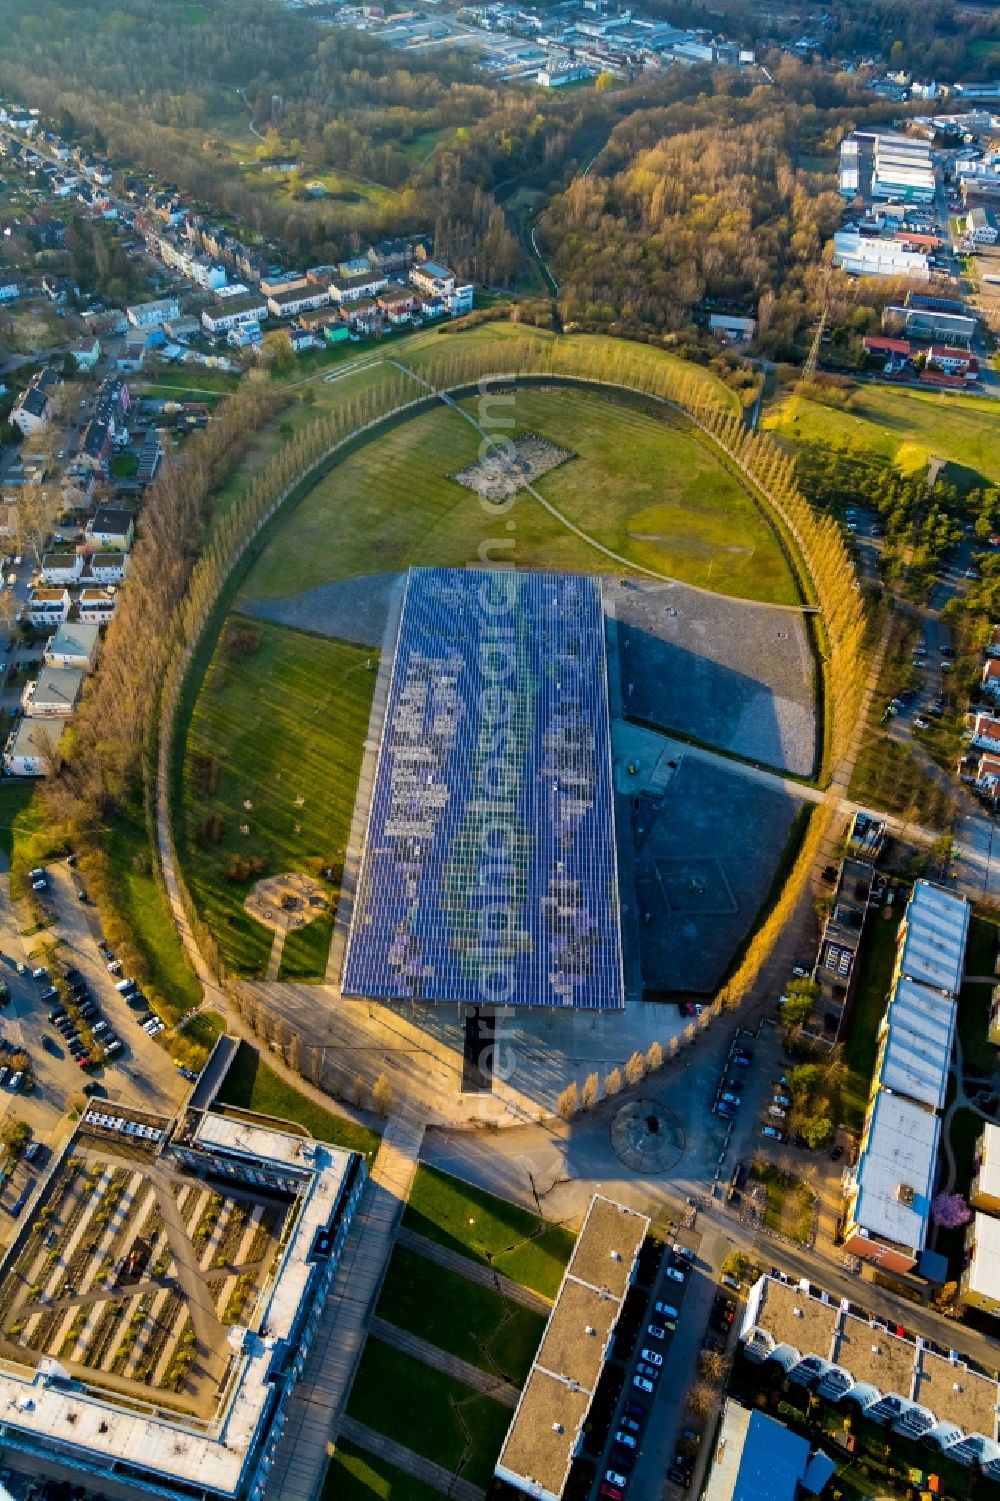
640,480
274,746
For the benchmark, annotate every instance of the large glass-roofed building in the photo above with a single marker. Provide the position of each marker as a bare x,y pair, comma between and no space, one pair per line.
489,871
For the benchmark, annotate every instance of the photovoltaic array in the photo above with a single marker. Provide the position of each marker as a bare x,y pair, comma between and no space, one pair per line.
489,870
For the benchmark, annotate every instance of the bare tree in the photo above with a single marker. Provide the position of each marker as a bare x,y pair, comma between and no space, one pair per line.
654,1057
635,1067
568,1102
591,1091
613,1083
382,1094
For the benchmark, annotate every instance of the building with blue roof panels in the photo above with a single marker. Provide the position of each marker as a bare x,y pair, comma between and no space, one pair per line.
759,1459
934,936
915,1043
489,872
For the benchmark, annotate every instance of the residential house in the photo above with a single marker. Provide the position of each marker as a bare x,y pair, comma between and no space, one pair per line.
97,605
364,317
433,278
61,567
993,645
302,339
47,607
990,681
282,281
73,646
953,361
149,314
112,527
985,733
357,286
393,256
53,694
882,344
32,749
228,313
985,775
398,304
296,300
34,408
107,567
461,299
981,226
86,352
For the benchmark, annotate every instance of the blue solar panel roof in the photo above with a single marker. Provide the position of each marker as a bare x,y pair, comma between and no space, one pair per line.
489,872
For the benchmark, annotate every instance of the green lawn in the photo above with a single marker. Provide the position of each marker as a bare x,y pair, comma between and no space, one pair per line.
15,796
647,486
888,775
478,1224
283,729
428,1412
460,1316
974,1000
124,466
251,1085
905,427
791,1204
876,961
357,1476
306,951
143,906
203,1031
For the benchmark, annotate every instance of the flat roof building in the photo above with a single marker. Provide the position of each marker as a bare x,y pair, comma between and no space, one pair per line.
81,1428
888,1206
915,1043
545,1431
935,933
985,1190
894,1377
979,1286
758,1459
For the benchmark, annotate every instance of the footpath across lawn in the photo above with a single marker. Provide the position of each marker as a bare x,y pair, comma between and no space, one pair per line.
459,1316
429,1412
251,1085
356,1476
475,1223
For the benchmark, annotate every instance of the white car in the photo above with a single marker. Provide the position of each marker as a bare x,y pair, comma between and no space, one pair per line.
674,1273
653,1356
614,1478
776,1113
642,1383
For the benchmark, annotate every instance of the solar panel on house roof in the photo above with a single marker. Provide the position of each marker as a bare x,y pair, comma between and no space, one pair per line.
489,871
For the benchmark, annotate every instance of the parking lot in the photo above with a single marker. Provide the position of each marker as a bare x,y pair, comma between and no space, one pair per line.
140,1072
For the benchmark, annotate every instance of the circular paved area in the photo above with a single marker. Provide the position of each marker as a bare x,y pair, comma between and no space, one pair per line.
647,1137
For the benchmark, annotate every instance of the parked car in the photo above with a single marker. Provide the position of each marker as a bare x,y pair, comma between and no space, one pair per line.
642,1384
772,1133
628,1440
655,1332
630,1424
776,1113
684,1252
742,1056
727,1111
643,1368
611,1492
653,1356
728,1098
674,1273
781,1099
666,1309
49,1044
